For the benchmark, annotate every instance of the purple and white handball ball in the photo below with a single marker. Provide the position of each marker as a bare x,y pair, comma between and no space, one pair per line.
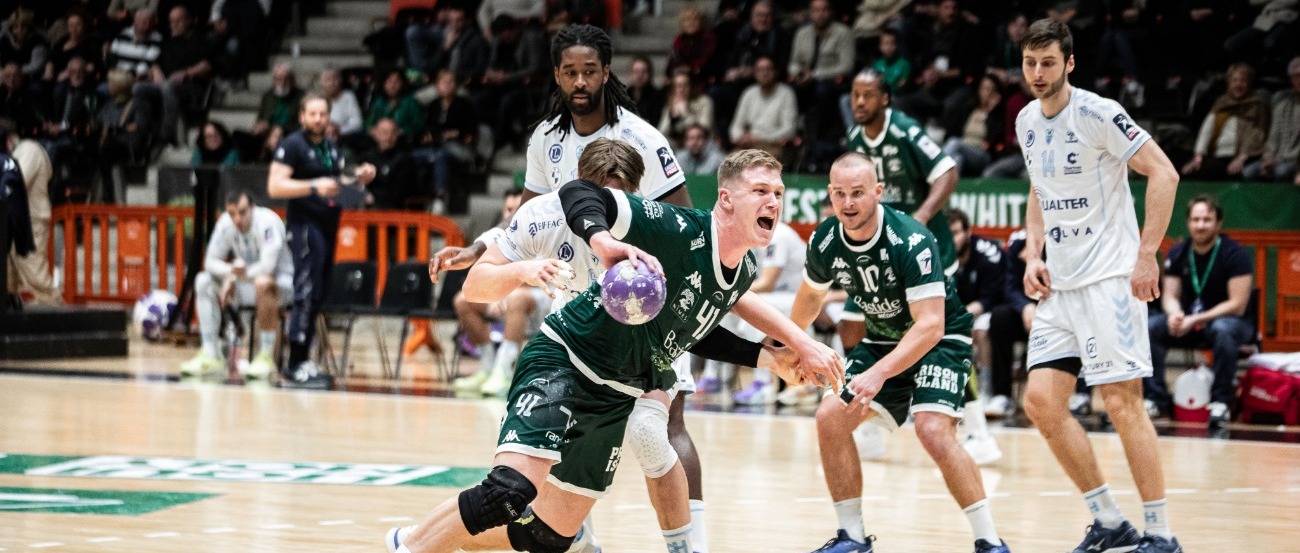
632,295
153,312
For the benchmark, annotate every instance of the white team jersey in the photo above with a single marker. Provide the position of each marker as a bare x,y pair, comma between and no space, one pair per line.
262,248
1078,165
553,161
538,231
787,252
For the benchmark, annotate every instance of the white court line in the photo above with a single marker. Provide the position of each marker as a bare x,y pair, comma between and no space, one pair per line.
104,539
45,544
1241,490
875,498
162,535
631,507
280,526
1180,491
994,494
222,530
394,519
1055,494
812,500
1293,490
751,502
932,496
335,522
1122,492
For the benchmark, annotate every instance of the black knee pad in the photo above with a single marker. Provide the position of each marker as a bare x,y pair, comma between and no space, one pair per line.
500,498
531,534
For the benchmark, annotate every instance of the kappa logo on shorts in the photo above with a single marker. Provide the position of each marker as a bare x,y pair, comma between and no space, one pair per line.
512,436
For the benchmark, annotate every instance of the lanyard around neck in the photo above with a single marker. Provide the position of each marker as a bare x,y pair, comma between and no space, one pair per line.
1198,281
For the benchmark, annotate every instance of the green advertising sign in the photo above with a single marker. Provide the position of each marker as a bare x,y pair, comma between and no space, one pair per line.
170,468
91,502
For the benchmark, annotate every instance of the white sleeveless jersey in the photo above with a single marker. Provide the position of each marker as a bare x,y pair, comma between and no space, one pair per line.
538,231
1078,165
553,158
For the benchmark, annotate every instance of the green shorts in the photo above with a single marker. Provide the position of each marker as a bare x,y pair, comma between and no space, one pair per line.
554,412
936,383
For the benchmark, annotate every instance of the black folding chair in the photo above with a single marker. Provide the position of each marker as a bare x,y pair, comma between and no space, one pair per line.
407,293
351,294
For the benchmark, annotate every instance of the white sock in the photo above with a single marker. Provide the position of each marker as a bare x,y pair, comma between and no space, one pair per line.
209,343
507,353
1103,507
487,355
981,521
849,512
973,415
699,535
678,540
266,342
1156,514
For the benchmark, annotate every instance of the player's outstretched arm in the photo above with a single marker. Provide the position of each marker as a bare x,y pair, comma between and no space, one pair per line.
495,276
1162,184
816,360
807,304
589,212
454,258
925,333
940,191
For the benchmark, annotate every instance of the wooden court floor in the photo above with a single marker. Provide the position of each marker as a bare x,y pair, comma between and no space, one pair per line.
237,448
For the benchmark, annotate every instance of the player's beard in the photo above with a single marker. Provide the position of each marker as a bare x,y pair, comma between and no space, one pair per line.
1055,87
595,101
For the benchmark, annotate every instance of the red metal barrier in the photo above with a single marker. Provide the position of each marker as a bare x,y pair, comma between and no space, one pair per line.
151,242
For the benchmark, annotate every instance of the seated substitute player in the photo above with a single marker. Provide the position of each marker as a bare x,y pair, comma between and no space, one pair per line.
980,281
578,380
915,359
538,249
246,261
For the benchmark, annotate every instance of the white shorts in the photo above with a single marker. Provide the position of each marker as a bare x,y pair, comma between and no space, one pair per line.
246,290
1101,324
497,311
685,381
781,301
982,321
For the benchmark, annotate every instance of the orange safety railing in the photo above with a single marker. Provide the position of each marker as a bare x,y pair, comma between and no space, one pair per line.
150,246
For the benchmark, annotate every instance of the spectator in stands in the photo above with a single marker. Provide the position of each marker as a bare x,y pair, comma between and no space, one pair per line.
22,43
32,271
528,12
515,80
394,102
576,12
183,70
78,43
1009,323
981,282
125,126
757,39
641,87
395,175
214,146
265,151
872,19
19,102
1124,29
1282,149
121,12
685,108
69,126
694,46
700,155
276,114
17,237
246,263
1006,58
767,116
137,47
1234,132
450,133
895,68
344,110
423,39
955,56
1207,292
977,131
820,62
1271,35
240,30
462,50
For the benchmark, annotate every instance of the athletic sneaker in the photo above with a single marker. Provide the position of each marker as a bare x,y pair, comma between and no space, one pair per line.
307,377
1157,544
1109,540
842,543
758,393
585,541
261,367
202,364
870,440
983,450
708,385
472,384
999,406
1219,414
396,537
1153,410
1081,404
983,546
497,384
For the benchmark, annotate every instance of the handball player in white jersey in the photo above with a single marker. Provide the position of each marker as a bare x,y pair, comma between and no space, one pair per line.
1091,320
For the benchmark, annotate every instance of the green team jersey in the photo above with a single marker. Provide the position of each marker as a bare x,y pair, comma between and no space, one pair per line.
636,359
908,162
882,276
